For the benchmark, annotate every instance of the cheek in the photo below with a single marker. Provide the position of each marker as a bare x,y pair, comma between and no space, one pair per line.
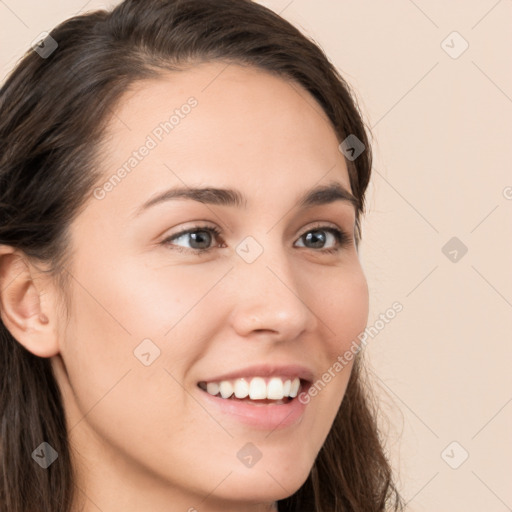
342,305
343,308
134,408
116,307
121,335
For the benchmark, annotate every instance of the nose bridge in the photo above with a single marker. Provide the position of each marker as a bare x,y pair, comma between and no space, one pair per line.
268,295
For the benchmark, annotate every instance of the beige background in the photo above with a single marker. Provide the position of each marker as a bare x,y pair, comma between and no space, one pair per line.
442,131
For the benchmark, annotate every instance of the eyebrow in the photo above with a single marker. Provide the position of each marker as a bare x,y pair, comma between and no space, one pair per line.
322,194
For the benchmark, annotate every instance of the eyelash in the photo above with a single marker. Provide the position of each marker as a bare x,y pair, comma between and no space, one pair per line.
342,238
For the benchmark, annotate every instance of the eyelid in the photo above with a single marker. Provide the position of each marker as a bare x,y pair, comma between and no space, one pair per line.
321,225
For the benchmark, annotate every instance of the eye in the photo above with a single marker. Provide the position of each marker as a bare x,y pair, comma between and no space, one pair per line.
321,235
200,239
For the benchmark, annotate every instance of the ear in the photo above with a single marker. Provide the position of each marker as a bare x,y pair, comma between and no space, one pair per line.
26,306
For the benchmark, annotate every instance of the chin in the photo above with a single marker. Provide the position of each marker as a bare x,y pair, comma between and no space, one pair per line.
250,492
268,483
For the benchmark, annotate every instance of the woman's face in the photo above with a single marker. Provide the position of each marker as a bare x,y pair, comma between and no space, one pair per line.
154,320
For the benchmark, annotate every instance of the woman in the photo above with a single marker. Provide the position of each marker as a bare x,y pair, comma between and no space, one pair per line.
182,188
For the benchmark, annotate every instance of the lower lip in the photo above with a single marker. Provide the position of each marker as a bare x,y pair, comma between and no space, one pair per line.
265,417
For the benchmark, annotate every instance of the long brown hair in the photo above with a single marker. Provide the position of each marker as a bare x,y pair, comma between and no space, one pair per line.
53,111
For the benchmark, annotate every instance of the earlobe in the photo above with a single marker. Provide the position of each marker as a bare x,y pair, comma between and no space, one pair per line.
22,310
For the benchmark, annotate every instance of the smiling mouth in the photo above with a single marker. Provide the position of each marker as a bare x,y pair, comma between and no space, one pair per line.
255,390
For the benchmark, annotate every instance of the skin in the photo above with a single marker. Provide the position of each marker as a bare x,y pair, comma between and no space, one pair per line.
142,436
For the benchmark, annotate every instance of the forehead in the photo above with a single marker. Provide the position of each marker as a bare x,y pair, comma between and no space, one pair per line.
221,123
229,97
238,87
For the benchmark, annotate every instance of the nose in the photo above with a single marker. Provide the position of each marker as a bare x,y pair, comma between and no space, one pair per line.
270,298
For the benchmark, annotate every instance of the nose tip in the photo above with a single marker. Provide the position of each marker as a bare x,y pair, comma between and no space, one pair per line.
268,302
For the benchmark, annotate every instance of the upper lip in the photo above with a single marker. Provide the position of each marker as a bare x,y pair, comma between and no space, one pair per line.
266,370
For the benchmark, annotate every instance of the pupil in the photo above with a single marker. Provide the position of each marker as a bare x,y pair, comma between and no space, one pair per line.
316,238
200,238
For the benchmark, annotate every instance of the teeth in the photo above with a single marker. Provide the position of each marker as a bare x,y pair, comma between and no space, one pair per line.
212,388
241,388
275,389
257,388
226,389
295,388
